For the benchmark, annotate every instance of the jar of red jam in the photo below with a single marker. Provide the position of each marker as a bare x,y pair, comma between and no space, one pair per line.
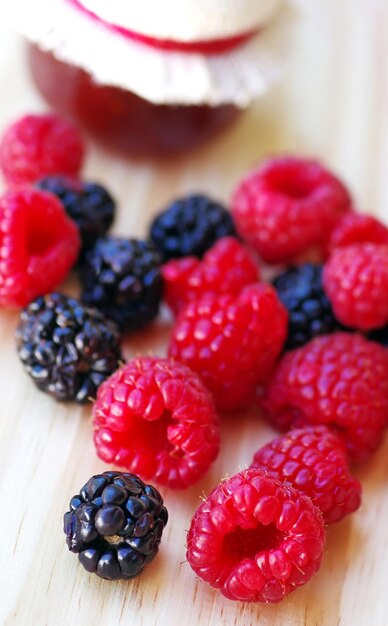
145,83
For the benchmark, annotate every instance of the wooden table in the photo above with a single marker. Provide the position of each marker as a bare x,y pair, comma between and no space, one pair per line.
332,104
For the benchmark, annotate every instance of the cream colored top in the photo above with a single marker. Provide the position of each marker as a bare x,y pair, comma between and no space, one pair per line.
238,76
185,20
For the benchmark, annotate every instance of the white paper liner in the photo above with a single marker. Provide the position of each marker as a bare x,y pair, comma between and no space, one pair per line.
193,20
236,77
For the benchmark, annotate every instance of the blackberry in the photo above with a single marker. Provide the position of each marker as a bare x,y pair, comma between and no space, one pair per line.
115,524
190,226
66,348
310,313
122,278
90,206
380,335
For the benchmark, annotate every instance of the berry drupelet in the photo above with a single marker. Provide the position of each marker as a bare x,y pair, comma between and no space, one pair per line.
310,313
122,278
115,525
66,348
88,204
190,226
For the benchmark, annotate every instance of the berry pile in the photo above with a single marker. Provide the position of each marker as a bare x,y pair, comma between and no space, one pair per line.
311,350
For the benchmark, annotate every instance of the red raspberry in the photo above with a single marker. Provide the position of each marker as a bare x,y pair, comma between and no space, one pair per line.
357,228
313,461
39,244
288,206
255,539
355,279
226,268
340,380
232,342
155,418
37,145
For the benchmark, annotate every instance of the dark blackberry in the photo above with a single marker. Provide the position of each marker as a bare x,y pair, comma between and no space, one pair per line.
122,278
115,524
90,205
66,348
380,335
190,226
310,313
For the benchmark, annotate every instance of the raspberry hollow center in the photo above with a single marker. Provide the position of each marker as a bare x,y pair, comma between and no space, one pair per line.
153,435
247,543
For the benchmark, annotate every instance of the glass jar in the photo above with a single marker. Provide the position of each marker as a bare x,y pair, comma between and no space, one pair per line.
121,119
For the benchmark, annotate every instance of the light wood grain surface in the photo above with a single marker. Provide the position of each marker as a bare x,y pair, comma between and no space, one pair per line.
333,103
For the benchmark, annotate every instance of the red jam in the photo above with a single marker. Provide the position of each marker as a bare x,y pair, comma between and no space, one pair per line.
121,119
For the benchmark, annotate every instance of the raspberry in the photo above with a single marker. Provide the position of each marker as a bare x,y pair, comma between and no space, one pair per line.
38,245
155,417
90,206
357,228
310,313
67,349
313,461
255,538
232,342
190,226
122,278
115,525
340,380
288,206
227,267
39,145
355,279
